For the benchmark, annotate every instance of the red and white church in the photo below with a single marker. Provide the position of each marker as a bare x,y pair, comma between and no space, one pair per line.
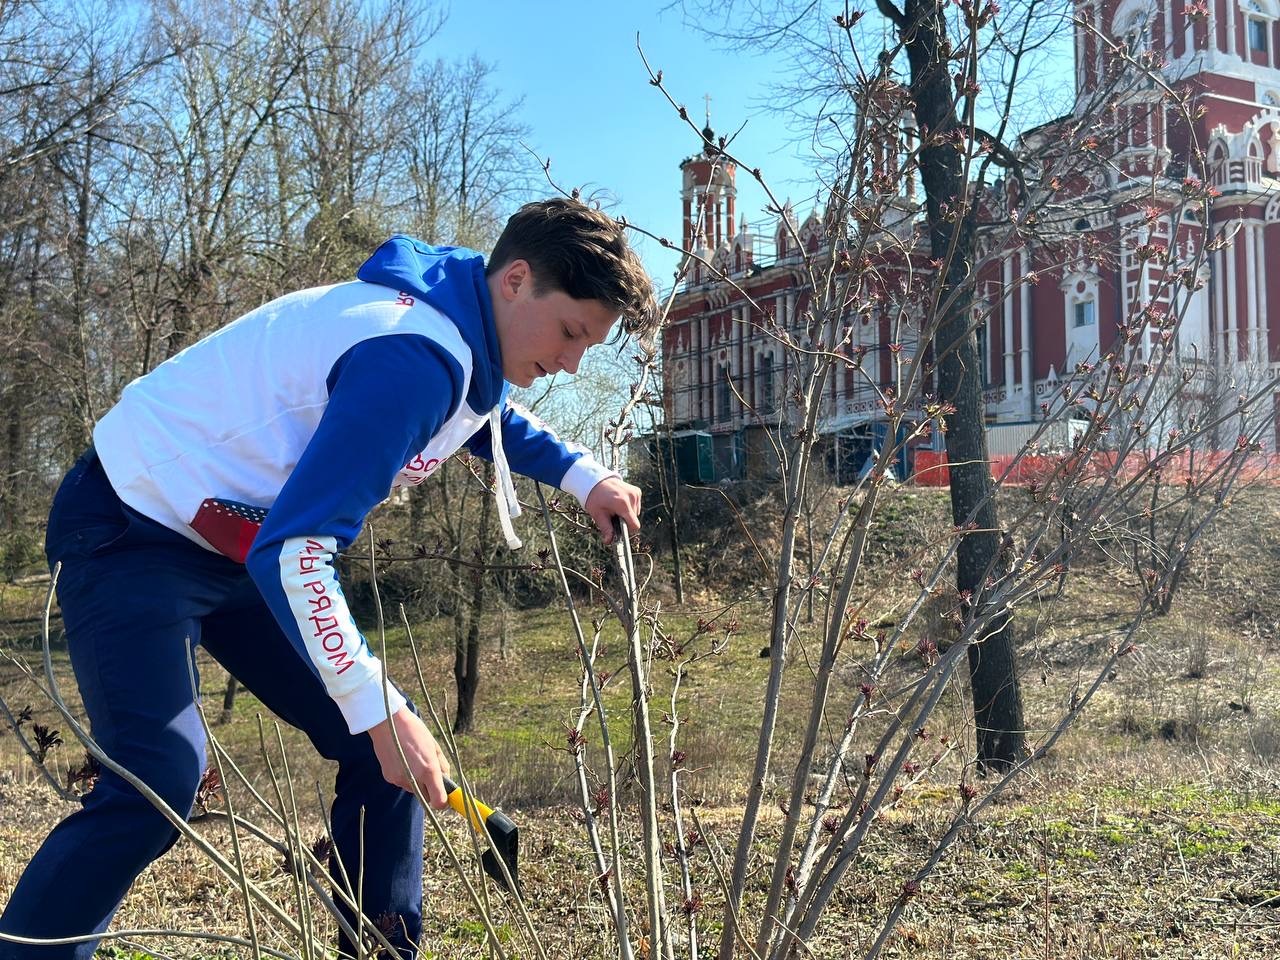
716,353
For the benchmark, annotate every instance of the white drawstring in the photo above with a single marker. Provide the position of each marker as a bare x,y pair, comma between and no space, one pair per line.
505,492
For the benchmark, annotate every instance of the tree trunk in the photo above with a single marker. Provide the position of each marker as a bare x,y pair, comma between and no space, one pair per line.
229,699
997,698
466,647
469,683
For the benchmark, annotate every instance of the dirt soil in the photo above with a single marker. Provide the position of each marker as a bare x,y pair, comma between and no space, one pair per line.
1152,829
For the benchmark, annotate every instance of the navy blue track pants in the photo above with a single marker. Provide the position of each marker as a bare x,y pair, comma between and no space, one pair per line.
131,593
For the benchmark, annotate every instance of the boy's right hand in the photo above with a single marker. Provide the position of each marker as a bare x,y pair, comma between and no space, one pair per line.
427,763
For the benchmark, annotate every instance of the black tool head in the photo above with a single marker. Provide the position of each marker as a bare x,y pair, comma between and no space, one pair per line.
504,838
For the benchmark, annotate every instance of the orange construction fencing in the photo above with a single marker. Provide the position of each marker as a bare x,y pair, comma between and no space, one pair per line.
931,468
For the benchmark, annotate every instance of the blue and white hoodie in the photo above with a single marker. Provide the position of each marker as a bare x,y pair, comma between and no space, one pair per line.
304,414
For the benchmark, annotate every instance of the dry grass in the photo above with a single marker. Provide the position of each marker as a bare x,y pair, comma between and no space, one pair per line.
1151,830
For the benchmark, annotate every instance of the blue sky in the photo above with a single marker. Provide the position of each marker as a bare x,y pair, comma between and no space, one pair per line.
589,106
591,109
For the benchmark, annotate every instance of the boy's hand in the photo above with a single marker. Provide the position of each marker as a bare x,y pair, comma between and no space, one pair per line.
614,497
427,764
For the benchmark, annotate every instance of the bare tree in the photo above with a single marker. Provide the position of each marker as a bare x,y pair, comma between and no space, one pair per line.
464,166
63,82
864,257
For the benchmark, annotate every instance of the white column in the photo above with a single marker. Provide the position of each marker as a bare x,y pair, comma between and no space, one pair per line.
987,341
1098,32
1230,11
1231,319
751,389
1218,326
1006,308
1251,288
1024,294
1144,288
1080,61
1264,332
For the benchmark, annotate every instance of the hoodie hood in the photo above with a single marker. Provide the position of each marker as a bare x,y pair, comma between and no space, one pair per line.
452,280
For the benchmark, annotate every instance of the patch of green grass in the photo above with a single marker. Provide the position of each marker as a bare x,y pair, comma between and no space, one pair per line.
1080,853
1210,831
1019,870
1189,797
467,930
1116,837
1200,848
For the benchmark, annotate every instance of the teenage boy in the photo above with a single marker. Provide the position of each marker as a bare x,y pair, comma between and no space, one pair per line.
221,488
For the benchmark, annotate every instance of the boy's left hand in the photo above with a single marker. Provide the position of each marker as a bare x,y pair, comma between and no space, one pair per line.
614,497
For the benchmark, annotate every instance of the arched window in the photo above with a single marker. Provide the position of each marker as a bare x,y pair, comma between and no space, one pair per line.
764,384
1253,160
724,407
1131,25
1083,224
1080,303
1219,169
1257,27
1259,18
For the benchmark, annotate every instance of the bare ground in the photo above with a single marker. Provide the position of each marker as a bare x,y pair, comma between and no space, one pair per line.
1151,831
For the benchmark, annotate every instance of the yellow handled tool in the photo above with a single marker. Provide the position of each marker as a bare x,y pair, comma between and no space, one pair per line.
504,836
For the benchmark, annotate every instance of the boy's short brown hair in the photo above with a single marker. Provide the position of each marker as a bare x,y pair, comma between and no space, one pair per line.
582,252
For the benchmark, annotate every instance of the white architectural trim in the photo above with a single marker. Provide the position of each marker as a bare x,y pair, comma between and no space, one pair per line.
1251,288
1264,351
1219,325
1229,317
1006,310
1097,52
1082,342
1024,295
1265,12
1131,14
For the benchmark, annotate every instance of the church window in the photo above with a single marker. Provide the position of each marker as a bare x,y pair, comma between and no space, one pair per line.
1260,17
1139,40
1131,25
1080,315
1257,34
765,379
725,404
